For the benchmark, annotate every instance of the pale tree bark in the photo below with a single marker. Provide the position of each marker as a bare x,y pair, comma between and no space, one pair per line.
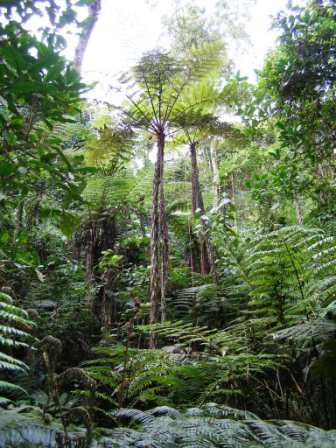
217,190
94,10
90,261
233,200
215,171
298,211
320,171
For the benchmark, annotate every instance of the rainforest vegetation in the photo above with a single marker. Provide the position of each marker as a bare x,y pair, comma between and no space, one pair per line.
168,252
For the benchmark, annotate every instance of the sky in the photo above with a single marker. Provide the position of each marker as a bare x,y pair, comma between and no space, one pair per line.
128,28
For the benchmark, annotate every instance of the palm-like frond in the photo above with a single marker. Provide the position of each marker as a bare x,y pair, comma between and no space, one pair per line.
109,191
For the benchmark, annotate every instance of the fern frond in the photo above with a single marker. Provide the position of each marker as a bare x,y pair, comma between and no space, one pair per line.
14,327
214,426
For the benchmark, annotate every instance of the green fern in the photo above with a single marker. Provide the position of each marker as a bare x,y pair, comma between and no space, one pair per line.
109,191
28,426
291,275
202,364
212,426
14,333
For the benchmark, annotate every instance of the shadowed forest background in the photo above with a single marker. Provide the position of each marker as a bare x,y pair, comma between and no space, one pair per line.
168,252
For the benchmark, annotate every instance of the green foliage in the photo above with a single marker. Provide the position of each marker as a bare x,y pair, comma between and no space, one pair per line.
292,267
296,89
130,376
47,93
195,366
27,426
212,426
112,148
302,82
109,191
257,333
15,328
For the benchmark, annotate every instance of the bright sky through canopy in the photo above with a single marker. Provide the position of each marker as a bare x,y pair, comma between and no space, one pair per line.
126,29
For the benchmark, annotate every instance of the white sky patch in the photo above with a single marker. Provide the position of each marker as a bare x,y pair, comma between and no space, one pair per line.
127,29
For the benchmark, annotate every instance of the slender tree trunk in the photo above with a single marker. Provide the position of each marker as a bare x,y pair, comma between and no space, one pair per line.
215,170
198,205
157,275
207,156
323,194
196,197
89,262
107,305
234,202
142,217
94,10
193,256
164,250
89,256
19,217
298,211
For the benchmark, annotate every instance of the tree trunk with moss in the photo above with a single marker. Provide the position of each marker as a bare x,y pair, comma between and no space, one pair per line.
198,206
159,242
164,251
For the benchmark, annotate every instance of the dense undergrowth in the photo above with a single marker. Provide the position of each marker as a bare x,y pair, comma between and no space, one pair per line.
210,425
188,302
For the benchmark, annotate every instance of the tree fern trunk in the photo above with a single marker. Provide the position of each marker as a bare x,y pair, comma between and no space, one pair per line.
164,249
215,170
157,275
196,197
198,205
89,262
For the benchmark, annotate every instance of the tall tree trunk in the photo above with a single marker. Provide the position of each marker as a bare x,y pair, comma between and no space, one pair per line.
192,256
19,217
298,210
207,156
198,205
157,275
103,303
107,305
324,196
215,170
94,10
164,250
90,256
234,202
196,194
